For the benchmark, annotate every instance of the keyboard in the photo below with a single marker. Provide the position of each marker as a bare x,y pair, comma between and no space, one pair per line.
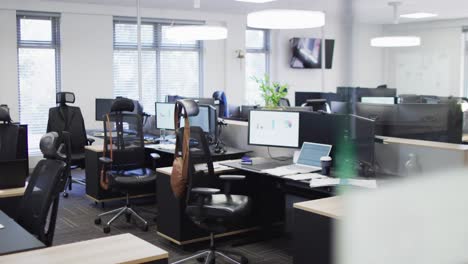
291,170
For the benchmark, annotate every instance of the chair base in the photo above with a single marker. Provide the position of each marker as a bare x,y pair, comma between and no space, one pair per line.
209,256
125,210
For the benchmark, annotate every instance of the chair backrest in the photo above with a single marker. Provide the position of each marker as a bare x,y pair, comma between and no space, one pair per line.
223,104
123,132
200,155
42,194
8,136
68,118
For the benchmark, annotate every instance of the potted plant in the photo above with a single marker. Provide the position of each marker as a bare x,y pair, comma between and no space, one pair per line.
271,92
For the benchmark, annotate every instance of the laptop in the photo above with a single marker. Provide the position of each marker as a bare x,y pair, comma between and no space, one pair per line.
307,162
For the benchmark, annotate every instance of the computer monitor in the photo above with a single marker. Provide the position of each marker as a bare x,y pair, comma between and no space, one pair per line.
274,128
354,94
103,106
434,122
340,108
322,128
379,100
207,120
165,115
302,97
362,135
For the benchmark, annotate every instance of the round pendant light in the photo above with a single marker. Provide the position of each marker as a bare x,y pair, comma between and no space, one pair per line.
286,19
196,32
396,41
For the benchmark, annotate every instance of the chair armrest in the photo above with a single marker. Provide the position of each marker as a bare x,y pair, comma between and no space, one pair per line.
232,177
155,156
205,191
90,141
105,160
228,179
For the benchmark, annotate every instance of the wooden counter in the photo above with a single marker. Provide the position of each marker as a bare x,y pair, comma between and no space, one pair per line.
125,248
330,207
14,192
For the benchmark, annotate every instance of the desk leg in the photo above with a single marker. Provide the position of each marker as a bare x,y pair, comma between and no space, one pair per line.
312,238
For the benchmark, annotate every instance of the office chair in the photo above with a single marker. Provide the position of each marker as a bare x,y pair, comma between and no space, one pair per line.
38,209
284,102
206,206
69,118
220,96
124,159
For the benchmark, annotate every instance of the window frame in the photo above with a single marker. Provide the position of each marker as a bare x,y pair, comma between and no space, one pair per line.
53,44
266,49
158,46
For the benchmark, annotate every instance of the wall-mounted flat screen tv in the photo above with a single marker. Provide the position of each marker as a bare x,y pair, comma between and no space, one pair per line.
307,54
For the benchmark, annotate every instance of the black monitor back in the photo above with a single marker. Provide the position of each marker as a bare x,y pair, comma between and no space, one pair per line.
434,122
354,94
302,97
103,106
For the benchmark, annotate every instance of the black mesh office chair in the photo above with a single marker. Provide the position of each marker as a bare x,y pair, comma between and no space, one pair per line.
124,158
38,209
206,206
69,118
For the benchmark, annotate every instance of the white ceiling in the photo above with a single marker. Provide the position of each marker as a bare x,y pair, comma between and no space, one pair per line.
378,11
368,11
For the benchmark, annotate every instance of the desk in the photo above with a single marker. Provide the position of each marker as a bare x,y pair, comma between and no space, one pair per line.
93,170
124,248
10,200
173,224
313,232
13,238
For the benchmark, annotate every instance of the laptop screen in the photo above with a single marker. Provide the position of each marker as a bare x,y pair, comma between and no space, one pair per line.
312,152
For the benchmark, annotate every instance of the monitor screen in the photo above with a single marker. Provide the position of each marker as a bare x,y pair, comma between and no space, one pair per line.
207,120
165,116
103,107
307,53
201,120
378,100
274,128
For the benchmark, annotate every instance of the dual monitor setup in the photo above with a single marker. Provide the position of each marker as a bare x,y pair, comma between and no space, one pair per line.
207,119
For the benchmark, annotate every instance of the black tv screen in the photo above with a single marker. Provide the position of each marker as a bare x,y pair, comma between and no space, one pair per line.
307,53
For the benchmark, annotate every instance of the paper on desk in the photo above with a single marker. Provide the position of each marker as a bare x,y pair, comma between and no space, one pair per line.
324,181
203,167
161,146
304,177
371,184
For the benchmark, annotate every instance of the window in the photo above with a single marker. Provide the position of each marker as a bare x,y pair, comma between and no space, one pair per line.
168,67
38,37
256,63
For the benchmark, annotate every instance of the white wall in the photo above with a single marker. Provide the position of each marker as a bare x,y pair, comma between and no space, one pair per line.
309,80
434,68
87,47
8,62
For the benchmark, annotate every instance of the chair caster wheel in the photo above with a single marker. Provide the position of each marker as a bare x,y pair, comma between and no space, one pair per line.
106,229
65,195
97,221
145,228
244,260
